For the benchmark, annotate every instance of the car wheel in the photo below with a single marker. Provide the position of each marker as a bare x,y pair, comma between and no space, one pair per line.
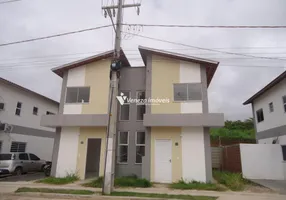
18,171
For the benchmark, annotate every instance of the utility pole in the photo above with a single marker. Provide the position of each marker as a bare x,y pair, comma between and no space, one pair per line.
109,167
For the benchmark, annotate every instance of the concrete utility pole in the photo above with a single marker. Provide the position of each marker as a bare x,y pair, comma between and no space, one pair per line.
109,170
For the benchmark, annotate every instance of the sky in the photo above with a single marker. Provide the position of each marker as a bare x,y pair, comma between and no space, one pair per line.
236,79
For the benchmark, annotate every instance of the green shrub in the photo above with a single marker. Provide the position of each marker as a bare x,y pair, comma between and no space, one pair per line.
195,185
129,181
233,181
70,178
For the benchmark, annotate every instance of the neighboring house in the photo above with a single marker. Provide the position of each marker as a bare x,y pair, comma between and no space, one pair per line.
22,109
162,142
269,112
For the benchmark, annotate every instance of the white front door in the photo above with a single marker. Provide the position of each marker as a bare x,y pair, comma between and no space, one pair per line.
163,161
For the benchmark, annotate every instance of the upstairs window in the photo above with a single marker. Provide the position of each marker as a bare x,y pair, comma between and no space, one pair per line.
140,107
284,102
187,92
259,115
18,109
284,152
271,107
125,108
35,111
50,113
77,94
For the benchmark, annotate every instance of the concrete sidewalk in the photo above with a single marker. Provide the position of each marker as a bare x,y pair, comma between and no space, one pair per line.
11,187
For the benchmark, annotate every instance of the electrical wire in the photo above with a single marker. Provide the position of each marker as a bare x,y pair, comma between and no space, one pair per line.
11,1
206,26
206,49
53,36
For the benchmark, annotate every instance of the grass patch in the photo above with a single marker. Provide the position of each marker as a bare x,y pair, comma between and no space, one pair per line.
58,191
233,181
59,181
130,181
195,185
164,196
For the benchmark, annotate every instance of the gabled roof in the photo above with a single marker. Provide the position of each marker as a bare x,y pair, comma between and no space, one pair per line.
59,70
2,80
211,65
267,87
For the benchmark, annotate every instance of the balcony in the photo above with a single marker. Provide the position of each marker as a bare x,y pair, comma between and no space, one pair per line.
190,119
82,120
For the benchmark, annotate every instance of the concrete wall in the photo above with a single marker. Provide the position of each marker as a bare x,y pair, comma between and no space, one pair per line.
193,154
136,76
68,151
281,140
262,161
271,119
11,95
40,146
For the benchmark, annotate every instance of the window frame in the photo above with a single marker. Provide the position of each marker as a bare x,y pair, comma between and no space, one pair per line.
257,115
120,106
18,147
139,145
271,109
188,100
35,113
284,103
137,92
118,150
283,155
18,108
77,87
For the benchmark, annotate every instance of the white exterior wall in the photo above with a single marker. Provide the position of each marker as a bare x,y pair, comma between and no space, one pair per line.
190,73
276,118
40,146
68,150
76,78
262,161
193,154
281,140
11,95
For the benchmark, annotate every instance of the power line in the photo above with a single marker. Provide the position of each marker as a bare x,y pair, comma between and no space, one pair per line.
52,36
11,1
206,49
206,26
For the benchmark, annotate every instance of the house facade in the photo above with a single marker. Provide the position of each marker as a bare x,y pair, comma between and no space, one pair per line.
22,110
269,112
163,140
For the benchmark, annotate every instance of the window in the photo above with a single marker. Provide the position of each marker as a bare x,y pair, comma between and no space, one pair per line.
125,108
77,95
35,111
140,107
23,156
123,147
50,113
271,107
259,115
140,146
284,102
18,147
18,109
187,92
34,157
284,152
0,146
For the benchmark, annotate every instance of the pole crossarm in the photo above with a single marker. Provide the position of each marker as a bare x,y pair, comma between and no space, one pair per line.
123,6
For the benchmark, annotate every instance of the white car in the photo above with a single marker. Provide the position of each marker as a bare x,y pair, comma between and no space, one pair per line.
19,163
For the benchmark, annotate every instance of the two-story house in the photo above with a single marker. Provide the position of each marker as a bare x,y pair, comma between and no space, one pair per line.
269,112
164,140
22,110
